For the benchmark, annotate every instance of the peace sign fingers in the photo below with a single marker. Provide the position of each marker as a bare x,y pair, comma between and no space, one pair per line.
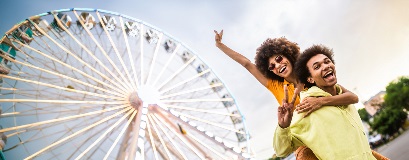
218,36
285,99
297,90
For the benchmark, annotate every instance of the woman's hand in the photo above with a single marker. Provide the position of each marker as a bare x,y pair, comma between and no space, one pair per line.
218,37
284,112
309,105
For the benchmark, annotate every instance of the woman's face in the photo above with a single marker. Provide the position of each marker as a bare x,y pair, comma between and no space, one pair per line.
280,65
322,71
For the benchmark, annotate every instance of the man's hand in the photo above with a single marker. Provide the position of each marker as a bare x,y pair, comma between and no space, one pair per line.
284,112
309,105
218,38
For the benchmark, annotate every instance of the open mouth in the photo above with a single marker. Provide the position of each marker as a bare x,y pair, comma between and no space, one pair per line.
282,69
329,75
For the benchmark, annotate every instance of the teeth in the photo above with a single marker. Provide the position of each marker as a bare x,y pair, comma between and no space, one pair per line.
282,69
328,73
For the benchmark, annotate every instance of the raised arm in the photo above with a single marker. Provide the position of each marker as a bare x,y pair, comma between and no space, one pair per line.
246,63
312,104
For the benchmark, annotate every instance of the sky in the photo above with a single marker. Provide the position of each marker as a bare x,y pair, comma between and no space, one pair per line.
369,39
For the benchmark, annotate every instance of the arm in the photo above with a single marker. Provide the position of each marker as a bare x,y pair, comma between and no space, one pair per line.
312,104
246,63
283,140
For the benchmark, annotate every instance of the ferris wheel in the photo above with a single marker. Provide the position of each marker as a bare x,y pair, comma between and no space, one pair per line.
94,84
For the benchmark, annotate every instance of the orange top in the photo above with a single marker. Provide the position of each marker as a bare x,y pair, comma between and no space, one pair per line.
277,88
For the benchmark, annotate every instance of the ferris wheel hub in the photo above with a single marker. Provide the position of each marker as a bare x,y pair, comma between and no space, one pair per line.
148,94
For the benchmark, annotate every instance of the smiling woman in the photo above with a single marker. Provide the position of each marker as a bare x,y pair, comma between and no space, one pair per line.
94,84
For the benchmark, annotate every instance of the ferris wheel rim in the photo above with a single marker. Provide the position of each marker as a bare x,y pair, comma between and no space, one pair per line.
151,26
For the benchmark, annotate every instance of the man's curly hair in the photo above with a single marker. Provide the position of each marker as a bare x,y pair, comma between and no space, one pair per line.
276,46
301,69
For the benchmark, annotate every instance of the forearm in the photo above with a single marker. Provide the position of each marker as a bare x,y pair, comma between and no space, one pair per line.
246,63
282,142
234,55
342,99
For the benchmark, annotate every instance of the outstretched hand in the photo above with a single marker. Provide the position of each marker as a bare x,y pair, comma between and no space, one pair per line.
218,37
284,112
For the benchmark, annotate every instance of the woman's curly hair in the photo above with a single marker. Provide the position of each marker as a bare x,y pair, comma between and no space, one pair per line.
276,46
301,69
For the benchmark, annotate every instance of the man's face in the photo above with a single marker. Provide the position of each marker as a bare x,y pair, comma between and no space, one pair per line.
280,65
322,71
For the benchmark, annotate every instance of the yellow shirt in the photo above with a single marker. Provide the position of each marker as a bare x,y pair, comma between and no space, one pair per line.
334,133
277,88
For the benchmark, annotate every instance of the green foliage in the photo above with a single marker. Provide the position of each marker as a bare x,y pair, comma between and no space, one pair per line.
389,120
363,114
275,158
397,93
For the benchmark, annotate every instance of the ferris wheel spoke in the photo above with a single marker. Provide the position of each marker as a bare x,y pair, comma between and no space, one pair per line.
179,151
61,88
185,81
45,136
60,119
153,62
192,90
61,76
76,147
105,54
158,148
22,142
96,59
71,67
160,138
165,114
177,72
166,65
10,89
197,100
181,137
104,134
142,57
42,111
152,142
134,80
201,110
66,109
120,134
210,123
206,146
117,53
76,133
72,54
91,54
59,101
34,138
4,115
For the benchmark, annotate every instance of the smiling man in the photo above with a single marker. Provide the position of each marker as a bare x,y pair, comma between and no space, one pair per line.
330,132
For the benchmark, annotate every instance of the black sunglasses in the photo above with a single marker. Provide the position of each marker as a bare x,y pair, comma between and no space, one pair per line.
278,59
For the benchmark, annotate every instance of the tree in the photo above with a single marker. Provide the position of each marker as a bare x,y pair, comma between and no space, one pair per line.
389,120
363,114
397,93
274,157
